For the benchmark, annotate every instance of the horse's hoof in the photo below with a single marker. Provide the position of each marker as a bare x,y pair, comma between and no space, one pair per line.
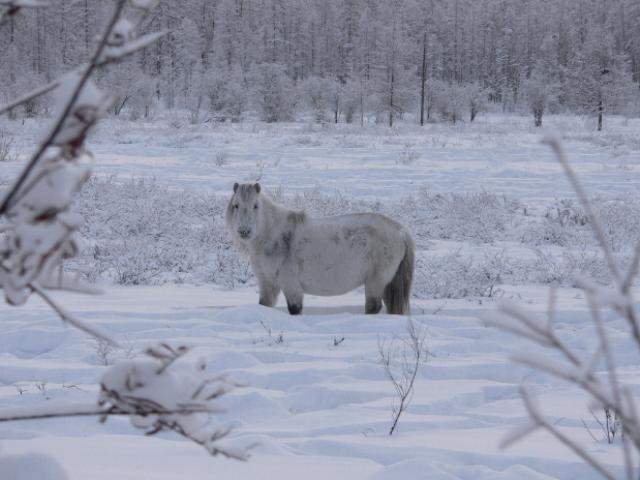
294,309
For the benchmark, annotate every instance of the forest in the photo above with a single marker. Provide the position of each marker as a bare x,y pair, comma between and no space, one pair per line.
346,60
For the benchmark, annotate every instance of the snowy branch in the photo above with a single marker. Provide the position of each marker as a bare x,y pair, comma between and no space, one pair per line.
605,391
162,392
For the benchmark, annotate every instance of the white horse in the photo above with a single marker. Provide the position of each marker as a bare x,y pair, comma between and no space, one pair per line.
295,254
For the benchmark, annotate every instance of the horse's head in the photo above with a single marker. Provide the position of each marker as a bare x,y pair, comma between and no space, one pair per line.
243,211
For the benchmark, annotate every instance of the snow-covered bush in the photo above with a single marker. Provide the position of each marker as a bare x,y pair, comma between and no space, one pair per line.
480,216
563,269
566,224
142,233
455,276
168,392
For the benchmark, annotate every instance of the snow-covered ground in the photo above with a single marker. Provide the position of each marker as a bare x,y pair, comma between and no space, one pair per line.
317,409
499,153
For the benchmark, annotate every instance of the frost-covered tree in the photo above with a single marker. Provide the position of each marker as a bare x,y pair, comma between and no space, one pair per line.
371,46
274,95
476,97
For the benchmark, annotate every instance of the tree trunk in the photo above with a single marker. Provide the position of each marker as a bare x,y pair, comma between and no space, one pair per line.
423,77
600,108
537,117
391,97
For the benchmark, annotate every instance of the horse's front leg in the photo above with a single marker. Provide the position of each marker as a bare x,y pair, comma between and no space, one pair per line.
268,293
294,302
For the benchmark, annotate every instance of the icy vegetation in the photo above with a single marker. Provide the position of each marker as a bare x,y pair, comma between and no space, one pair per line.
138,232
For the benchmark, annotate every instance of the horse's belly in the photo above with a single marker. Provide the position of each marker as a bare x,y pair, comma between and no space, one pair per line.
330,274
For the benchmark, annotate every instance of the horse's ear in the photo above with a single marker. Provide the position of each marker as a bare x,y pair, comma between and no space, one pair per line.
257,187
235,187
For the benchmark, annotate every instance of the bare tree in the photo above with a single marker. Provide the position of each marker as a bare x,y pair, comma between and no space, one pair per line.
606,391
401,359
423,77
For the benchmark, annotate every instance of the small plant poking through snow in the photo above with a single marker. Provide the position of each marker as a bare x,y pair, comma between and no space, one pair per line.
401,359
7,149
271,338
221,159
408,155
610,426
104,352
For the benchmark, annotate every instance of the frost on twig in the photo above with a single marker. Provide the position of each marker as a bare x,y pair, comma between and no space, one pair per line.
401,359
604,391
166,392
163,392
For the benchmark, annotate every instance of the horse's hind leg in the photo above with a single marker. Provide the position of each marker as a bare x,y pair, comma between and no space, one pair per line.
373,297
294,302
268,293
372,305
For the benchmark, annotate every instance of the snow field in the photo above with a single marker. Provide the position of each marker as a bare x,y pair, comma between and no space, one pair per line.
313,407
489,210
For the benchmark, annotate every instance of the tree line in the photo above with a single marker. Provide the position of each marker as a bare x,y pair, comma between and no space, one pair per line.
347,60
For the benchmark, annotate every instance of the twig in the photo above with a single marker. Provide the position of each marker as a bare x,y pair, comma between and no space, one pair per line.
70,319
86,73
14,415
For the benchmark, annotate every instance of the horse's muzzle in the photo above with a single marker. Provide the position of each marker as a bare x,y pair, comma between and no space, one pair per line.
244,233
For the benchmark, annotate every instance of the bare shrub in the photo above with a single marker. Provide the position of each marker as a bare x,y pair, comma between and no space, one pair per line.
221,158
104,352
408,155
401,359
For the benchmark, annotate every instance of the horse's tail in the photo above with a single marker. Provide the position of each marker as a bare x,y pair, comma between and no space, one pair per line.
398,290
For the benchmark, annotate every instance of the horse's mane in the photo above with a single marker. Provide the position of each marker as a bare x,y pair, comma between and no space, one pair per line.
295,217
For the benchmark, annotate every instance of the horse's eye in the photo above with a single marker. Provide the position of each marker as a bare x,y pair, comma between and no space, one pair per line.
235,206
255,207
